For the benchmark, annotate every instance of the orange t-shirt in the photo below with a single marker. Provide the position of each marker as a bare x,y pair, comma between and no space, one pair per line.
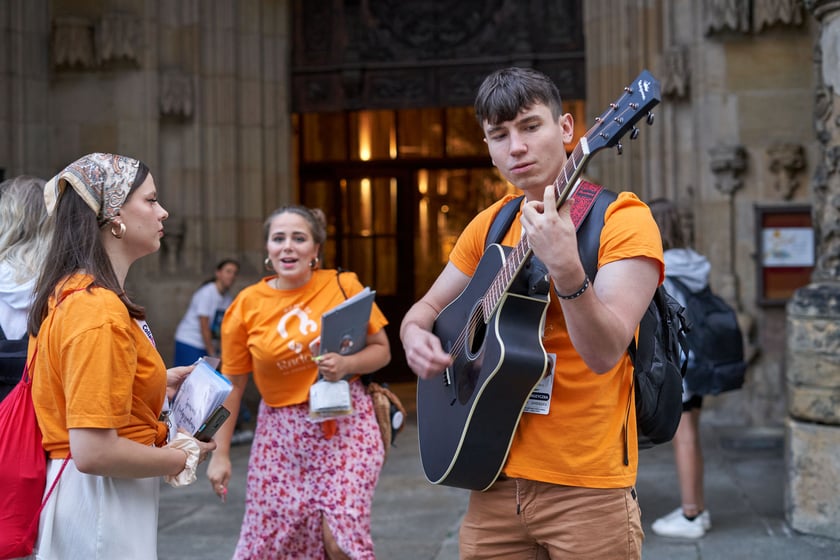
580,442
95,368
268,332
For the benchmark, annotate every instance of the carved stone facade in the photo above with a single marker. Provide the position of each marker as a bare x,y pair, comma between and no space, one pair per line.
119,39
786,161
72,43
749,16
728,164
428,53
80,43
676,72
197,90
176,95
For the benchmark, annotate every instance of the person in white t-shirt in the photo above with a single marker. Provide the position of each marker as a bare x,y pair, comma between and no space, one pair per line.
197,334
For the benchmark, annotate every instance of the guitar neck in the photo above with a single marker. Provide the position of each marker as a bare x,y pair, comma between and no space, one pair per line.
563,186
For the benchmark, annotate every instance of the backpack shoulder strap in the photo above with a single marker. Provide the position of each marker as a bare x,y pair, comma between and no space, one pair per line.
503,221
589,220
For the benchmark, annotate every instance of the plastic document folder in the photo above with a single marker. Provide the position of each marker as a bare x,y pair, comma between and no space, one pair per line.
200,395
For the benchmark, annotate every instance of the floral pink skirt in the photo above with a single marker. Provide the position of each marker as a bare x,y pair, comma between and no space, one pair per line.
295,476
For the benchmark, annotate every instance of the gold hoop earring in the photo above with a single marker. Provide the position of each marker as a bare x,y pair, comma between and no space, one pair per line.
120,233
313,264
268,265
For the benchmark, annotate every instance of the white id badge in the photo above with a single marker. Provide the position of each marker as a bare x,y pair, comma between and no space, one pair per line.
329,399
540,400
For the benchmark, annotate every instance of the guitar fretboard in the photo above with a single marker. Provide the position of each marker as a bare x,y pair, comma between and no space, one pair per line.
513,262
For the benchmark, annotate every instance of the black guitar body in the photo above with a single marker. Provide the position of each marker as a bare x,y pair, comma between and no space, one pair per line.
467,415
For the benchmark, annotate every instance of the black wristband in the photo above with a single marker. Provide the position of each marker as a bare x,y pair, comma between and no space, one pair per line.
578,293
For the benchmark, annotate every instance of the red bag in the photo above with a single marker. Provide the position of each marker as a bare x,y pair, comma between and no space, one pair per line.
23,474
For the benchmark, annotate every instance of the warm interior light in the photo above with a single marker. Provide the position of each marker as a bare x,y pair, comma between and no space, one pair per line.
367,210
392,144
394,189
423,226
424,211
364,135
423,181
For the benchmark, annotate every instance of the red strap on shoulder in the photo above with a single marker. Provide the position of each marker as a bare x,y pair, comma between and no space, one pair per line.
582,201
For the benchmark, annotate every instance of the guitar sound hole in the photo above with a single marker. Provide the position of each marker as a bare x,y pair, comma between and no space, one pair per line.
468,380
477,338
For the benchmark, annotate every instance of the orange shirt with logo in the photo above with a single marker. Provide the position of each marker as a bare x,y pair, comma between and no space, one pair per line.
268,332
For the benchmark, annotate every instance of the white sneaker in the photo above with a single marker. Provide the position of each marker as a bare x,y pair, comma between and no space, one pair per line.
706,517
675,524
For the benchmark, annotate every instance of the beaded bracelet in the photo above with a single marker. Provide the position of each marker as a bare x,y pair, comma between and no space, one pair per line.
578,293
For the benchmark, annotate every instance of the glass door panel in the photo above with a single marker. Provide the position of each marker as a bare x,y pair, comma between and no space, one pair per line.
448,200
369,234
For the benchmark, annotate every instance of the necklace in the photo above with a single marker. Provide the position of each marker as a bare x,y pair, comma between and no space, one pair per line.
275,283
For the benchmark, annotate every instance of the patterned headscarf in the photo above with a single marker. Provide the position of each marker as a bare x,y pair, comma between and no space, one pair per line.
102,180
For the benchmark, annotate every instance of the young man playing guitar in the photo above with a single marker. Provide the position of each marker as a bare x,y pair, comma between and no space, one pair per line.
565,489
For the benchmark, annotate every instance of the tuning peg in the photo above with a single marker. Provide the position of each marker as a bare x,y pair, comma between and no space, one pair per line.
619,148
649,118
634,133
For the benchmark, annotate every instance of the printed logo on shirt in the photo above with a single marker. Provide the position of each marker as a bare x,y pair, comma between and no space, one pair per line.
147,330
305,324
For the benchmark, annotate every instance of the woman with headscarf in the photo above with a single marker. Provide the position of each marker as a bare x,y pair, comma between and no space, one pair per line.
99,385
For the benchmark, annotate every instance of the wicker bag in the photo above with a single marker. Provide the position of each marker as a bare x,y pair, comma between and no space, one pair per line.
390,413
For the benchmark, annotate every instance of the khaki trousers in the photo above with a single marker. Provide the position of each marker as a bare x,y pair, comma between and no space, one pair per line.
523,519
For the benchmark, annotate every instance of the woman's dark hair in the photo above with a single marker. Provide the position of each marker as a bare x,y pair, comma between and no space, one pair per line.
219,266
506,92
314,216
667,217
75,246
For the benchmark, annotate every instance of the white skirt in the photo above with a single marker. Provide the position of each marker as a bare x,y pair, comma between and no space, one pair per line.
98,517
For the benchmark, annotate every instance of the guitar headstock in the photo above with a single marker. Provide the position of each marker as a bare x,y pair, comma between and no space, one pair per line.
639,97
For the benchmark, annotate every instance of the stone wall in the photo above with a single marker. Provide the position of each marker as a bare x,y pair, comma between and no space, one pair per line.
813,315
737,90
197,90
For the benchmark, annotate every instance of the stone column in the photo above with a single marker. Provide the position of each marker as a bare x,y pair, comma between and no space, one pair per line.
813,316
728,163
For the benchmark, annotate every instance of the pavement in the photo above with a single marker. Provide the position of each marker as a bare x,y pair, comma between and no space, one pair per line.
415,520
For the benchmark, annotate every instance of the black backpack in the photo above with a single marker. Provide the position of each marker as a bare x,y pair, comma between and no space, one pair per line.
659,354
12,361
716,358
